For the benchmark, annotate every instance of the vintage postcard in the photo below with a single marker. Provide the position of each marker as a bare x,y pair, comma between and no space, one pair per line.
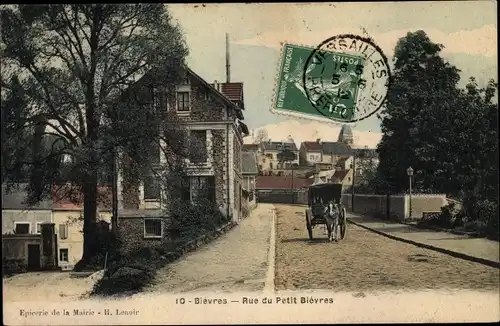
257,163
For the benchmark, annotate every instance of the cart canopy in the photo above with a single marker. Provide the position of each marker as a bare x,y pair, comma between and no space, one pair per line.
323,193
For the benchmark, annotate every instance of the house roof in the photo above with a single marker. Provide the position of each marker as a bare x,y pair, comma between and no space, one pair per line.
220,94
250,147
312,146
340,174
233,91
277,146
249,165
61,201
17,198
342,160
336,148
280,182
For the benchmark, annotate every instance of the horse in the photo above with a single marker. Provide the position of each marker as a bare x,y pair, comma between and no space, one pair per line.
332,217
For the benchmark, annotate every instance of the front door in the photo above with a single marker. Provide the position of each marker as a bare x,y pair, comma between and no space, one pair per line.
33,257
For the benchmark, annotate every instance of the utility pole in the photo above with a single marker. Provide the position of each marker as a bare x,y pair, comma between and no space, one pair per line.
353,179
228,66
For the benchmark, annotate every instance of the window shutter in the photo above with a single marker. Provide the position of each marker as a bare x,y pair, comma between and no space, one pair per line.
63,231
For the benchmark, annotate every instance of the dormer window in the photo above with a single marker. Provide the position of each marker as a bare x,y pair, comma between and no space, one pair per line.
186,81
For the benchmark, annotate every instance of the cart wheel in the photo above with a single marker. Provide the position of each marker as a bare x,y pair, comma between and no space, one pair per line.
343,227
309,227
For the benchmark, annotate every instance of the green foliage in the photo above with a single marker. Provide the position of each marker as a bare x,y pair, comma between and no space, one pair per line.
13,266
447,134
286,155
78,83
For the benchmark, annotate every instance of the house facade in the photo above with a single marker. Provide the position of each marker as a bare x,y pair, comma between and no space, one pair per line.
216,122
310,152
68,222
249,172
332,152
268,160
18,217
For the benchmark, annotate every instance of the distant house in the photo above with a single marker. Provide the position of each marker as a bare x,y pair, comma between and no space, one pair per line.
18,217
333,151
268,158
23,241
68,220
344,163
310,152
342,176
249,171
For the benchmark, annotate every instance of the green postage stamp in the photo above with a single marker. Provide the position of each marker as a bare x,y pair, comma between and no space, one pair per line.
340,81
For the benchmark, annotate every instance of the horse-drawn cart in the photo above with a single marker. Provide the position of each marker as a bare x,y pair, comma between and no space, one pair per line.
325,207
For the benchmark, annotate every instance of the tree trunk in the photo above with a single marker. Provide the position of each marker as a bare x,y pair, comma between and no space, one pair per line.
90,245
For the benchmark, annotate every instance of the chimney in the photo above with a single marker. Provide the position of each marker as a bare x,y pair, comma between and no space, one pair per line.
228,72
216,85
318,140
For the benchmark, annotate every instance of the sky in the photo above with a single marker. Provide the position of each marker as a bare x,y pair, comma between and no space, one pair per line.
467,29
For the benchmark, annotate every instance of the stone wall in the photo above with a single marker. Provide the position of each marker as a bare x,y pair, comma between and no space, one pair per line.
131,231
399,205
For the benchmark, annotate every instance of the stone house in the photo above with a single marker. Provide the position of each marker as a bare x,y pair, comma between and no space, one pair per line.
216,121
249,172
18,217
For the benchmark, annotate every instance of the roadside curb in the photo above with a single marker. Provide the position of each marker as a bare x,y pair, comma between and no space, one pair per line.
270,285
456,254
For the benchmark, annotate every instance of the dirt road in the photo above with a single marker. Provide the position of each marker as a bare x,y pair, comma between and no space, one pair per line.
366,261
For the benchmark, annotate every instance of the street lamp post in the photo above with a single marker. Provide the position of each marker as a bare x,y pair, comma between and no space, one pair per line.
409,171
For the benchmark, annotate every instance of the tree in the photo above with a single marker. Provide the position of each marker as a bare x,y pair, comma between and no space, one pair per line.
447,134
261,136
65,69
423,93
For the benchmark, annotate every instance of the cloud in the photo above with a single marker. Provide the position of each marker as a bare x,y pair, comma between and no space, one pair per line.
310,131
480,41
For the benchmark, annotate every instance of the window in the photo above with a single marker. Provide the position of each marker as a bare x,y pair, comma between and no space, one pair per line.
22,227
186,81
270,165
38,229
153,227
152,189
63,255
202,188
206,95
199,138
183,102
63,231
